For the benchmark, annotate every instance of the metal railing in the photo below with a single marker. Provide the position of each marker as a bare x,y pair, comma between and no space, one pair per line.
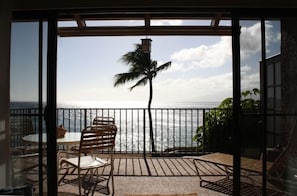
173,128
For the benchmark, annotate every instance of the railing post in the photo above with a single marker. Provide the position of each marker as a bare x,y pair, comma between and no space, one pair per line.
144,153
203,119
85,113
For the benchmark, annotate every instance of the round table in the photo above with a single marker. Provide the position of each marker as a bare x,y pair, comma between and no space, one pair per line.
71,138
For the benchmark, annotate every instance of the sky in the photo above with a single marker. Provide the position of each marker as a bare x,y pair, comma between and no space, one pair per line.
201,69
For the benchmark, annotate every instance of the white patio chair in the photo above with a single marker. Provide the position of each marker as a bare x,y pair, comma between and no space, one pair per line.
103,120
95,139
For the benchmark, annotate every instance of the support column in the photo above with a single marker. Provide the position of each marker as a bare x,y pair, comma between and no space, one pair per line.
288,73
5,24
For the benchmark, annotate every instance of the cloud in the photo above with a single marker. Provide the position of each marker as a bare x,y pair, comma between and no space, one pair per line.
249,80
166,22
218,54
244,69
250,38
213,88
204,56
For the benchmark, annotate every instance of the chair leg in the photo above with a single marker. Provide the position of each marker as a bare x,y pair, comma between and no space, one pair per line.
79,181
65,174
112,178
112,185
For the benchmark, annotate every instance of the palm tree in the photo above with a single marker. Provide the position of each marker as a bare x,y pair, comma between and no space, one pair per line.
143,69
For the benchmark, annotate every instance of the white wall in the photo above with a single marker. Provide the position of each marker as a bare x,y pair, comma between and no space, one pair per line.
5,23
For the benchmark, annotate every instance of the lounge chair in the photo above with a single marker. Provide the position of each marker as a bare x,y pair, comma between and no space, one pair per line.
215,170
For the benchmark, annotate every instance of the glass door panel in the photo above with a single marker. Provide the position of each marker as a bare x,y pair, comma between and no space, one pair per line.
268,116
26,91
250,125
282,137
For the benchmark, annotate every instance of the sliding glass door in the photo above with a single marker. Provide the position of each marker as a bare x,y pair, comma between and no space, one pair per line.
32,92
28,49
267,120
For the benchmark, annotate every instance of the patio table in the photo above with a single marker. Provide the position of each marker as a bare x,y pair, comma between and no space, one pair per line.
70,139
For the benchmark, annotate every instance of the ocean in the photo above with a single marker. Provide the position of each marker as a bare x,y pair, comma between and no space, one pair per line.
116,104
174,124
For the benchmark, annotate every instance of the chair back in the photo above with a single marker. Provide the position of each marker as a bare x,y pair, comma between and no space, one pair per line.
98,137
20,126
103,120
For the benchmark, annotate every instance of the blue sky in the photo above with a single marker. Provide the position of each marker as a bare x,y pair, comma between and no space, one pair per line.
201,65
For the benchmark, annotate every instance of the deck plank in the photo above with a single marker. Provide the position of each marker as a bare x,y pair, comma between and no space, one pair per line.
158,167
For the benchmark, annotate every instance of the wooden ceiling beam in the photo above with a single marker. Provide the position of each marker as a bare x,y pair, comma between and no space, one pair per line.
141,16
216,20
139,31
81,23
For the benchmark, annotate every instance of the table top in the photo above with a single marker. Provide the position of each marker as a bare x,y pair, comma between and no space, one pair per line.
69,139
227,160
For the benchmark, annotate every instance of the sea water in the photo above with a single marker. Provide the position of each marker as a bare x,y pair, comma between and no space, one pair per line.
174,123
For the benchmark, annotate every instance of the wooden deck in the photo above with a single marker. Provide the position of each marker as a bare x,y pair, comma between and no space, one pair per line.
158,167
163,174
169,175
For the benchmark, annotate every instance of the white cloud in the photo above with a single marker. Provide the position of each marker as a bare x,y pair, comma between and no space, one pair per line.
250,81
204,56
245,69
213,88
166,22
250,38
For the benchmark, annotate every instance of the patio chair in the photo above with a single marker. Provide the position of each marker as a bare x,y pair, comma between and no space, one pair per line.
24,156
95,140
103,120
216,169
21,126
25,168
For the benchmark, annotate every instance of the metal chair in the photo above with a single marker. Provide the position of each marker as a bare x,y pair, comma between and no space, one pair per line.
103,120
95,140
24,156
19,127
25,168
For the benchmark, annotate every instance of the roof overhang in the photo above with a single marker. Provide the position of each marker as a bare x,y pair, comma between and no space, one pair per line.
148,5
148,10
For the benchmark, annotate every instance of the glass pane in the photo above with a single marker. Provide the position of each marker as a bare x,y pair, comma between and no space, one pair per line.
24,93
282,169
251,127
277,73
278,98
270,98
270,74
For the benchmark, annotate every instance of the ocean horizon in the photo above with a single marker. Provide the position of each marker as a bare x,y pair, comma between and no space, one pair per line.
116,104
174,123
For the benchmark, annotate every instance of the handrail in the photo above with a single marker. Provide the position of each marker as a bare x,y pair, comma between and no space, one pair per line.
174,128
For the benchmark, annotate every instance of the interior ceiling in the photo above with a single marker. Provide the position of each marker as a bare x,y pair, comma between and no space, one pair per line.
214,11
82,29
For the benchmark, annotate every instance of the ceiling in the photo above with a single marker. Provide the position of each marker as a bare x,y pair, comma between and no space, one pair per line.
80,12
207,23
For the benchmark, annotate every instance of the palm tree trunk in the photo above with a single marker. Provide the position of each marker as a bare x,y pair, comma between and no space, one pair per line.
150,116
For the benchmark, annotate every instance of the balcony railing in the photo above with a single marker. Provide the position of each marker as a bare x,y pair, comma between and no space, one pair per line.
173,128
